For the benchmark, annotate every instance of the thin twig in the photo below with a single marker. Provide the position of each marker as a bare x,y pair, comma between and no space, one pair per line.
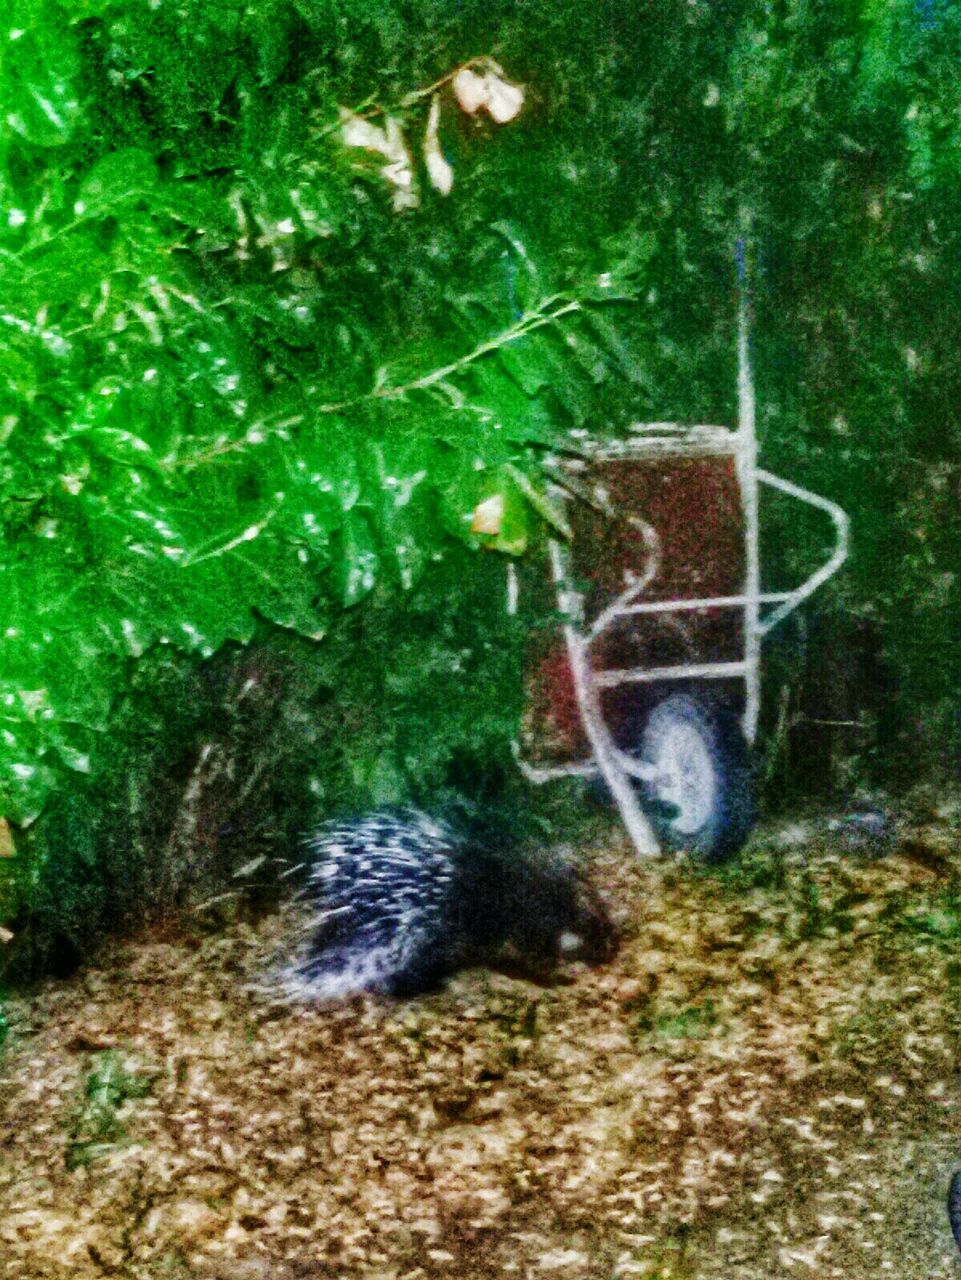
212,902
416,94
528,323
778,742
833,724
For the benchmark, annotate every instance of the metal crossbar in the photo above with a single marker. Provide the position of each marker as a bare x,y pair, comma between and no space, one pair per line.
613,678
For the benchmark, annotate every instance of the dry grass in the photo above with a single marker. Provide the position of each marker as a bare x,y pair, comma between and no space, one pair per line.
764,1084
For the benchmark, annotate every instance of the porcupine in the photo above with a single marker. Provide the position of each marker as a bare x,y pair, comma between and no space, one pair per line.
396,901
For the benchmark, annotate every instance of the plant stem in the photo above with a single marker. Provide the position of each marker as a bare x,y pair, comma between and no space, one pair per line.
416,94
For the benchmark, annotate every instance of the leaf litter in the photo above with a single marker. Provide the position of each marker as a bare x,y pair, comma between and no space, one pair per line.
763,1084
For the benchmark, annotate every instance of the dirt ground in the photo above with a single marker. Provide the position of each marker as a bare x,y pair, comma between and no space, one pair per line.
764,1084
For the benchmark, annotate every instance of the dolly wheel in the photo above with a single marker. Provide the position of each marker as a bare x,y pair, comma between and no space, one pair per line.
702,797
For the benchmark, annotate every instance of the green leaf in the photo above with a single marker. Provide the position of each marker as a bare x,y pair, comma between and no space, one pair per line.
121,177
25,781
202,204
270,26
286,583
404,524
627,360
38,69
548,511
516,416
528,362
515,528
356,571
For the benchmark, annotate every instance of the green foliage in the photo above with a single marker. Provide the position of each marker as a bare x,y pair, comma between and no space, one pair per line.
96,1128
243,401
235,385
941,922
696,1022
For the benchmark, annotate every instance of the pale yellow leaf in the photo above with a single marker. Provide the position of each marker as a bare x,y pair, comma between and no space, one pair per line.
396,144
357,132
504,101
489,515
400,171
438,170
470,90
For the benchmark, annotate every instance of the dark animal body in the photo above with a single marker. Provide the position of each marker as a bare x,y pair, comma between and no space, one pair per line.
394,902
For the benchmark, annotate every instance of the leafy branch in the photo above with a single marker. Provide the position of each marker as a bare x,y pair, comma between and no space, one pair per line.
549,311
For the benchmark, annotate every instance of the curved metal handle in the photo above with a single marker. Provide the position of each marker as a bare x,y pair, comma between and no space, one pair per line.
789,600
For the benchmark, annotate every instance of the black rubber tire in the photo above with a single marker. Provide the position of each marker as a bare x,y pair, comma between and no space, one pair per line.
954,1207
704,802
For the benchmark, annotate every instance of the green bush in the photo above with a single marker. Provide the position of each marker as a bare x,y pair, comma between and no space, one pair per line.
247,400
242,389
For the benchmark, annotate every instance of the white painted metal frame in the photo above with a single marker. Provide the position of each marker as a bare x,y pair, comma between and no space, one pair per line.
618,769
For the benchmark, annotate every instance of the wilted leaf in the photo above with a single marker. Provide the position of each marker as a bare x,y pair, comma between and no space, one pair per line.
470,90
400,171
358,132
440,172
489,515
504,100
490,91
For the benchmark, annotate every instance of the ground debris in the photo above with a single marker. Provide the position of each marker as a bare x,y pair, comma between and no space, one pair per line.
763,1084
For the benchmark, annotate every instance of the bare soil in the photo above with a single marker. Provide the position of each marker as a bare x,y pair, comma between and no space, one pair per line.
765,1083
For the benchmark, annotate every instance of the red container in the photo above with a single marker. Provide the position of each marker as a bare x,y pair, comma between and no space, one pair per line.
693,506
